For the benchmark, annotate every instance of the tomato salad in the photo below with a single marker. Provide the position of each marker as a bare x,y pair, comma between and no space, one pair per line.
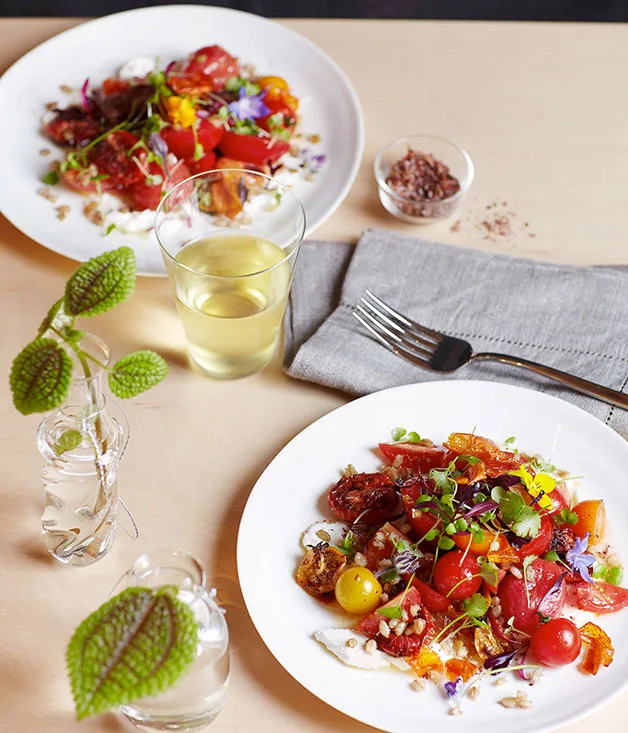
461,561
141,132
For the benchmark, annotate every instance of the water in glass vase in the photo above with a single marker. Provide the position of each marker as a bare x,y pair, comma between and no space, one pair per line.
231,300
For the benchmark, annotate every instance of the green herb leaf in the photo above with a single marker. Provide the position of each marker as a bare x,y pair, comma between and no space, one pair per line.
101,283
390,576
397,433
431,535
471,460
528,523
110,228
615,576
551,556
68,440
566,517
523,520
199,151
476,606
40,376
51,179
510,440
54,315
488,572
136,372
390,611
446,543
136,645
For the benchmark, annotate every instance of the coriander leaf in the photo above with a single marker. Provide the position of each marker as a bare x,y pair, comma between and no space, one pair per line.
551,556
390,611
566,517
476,606
51,179
40,376
138,644
488,572
528,523
136,372
68,440
54,315
101,283
511,506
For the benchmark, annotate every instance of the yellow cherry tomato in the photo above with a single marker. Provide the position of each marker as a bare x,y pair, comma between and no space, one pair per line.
591,518
273,81
358,590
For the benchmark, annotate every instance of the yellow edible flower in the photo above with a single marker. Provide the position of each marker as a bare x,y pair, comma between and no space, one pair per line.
539,485
180,111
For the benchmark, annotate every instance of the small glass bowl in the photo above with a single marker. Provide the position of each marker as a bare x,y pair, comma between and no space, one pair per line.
423,212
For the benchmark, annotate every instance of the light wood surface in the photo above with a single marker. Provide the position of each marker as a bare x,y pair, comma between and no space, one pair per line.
541,108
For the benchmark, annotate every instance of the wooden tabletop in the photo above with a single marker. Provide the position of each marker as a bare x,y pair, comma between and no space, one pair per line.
542,109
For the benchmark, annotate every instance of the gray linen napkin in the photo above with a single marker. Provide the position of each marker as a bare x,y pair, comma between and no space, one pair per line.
571,318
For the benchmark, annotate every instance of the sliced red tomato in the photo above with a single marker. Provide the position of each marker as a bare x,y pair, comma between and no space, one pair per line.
252,148
558,498
83,180
181,142
421,522
111,158
600,597
420,458
385,535
538,545
144,196
214,63
457,576
434,601
522,606
403,645
202,165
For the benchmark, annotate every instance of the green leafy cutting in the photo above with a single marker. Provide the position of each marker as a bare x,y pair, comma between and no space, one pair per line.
42,372
136,645
68,440
51,179
522,519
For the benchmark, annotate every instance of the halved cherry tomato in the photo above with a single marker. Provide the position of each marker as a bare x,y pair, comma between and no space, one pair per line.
556,643
143,196
538,545
591,520
381,546
558,498
456,576
214,63
417,457
481,548
600,597
252,148
421,522
522,605
181,142
434,601
202,165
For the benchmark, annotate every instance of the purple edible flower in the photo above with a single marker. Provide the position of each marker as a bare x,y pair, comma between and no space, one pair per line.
159,146
84,98
452,688
316,161
248,108
406,562
503,660
579,560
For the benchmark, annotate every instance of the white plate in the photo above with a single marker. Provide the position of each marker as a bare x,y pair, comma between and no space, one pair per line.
330,108
291,494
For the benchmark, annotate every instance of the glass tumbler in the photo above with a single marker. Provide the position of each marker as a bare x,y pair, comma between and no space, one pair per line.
199,695
230,240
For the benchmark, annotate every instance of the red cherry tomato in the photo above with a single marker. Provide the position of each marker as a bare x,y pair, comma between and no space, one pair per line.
181,142
276,107
252,148
538,545
215,63
421,522
453,575
556,643
601,597
202,165
522,605
144,196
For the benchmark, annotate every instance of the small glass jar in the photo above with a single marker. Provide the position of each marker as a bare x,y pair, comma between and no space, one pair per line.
199,695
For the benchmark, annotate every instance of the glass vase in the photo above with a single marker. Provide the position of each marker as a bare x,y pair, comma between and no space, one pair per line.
198,697
82,443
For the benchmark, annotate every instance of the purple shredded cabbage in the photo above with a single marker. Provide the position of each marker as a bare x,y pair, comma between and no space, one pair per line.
84,97
556,588
159,146
514,540
506,480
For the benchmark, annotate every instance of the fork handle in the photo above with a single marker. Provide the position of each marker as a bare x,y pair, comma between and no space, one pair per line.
606,394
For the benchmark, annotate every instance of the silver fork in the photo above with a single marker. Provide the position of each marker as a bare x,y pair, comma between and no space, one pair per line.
438,352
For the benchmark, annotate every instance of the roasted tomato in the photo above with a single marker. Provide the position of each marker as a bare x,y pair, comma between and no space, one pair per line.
370,496
540,544
358,591
73,127
320,569
181,141
522,606
144,196
202,165
432,599
252,148
420,458
111,158
398,644
456,576
556,643
214,63
496,460
591,520
600,597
